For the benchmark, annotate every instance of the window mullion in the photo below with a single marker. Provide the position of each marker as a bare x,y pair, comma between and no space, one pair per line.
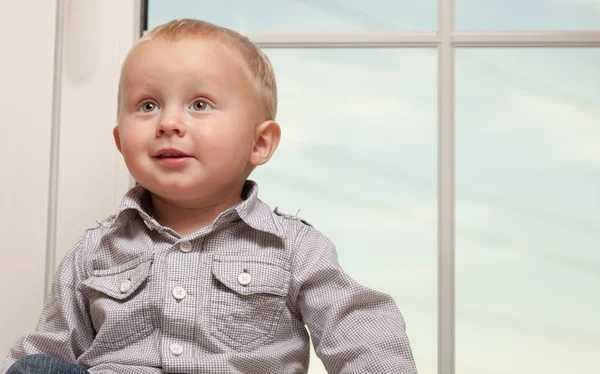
446,170
527,39
343,39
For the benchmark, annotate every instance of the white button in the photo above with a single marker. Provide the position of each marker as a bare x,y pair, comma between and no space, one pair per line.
185,246
125,285
179,293
176,349
244,278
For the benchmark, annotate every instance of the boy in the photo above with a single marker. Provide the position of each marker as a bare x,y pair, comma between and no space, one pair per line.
195,274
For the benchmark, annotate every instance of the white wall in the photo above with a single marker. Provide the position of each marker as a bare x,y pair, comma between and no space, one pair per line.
26,69
91,175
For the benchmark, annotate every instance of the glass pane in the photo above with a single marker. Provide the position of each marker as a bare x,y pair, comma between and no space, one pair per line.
301,15
527,230
358,158
527,15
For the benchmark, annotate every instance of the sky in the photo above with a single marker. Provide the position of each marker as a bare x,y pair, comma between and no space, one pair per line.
358,160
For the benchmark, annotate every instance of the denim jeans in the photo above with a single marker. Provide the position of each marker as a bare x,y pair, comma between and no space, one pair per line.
44,364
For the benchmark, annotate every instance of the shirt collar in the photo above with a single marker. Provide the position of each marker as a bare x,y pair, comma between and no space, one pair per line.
256,213
251,210
137,199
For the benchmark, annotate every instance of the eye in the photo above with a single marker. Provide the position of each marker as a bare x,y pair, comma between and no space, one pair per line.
148,107
200,105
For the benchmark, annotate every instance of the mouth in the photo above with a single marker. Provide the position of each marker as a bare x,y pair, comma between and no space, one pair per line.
171,153
172,158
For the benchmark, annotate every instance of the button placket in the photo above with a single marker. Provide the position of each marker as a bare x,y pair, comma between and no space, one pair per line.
179,307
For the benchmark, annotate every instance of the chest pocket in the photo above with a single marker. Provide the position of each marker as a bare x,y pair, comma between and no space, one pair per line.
248,299
118,301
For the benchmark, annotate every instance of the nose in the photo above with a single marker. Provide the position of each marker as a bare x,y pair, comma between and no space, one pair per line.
170,125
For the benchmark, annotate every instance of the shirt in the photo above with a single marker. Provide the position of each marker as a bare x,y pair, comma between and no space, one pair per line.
238,296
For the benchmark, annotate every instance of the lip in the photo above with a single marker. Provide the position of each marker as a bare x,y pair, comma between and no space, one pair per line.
171,151
179,158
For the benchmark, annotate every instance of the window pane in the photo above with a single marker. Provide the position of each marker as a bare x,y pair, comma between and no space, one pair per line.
527,15
358,158
301,15
527,230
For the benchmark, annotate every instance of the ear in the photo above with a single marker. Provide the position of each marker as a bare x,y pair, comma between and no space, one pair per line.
266,140
117,137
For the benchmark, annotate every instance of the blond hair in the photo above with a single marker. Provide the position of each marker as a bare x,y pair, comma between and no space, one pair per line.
255,63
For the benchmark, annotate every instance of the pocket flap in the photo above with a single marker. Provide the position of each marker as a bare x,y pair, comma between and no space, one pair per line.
122,284
263,276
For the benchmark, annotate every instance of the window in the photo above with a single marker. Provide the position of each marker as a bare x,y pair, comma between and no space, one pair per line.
302,15
456,170
351,119
527,178
527,15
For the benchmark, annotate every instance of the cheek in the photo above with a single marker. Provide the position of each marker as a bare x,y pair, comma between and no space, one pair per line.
132,144
129,147
131,136
233,145
219,139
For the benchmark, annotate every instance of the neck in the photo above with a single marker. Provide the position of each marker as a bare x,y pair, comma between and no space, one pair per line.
186,218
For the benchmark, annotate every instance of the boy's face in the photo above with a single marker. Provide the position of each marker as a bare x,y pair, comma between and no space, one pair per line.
188,126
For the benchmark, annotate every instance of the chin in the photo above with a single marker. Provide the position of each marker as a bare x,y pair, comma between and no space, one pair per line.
180,190
175,191
196,187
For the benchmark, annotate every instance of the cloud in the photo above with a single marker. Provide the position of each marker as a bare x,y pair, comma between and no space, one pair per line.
593,5
571,133
340,95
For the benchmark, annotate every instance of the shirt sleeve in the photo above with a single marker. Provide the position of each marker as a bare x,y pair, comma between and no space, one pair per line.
354,329
64,329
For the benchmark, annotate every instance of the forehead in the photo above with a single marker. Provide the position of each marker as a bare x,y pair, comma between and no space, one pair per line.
193,58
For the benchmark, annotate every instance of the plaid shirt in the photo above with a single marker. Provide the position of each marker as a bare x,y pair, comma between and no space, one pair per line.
238,296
